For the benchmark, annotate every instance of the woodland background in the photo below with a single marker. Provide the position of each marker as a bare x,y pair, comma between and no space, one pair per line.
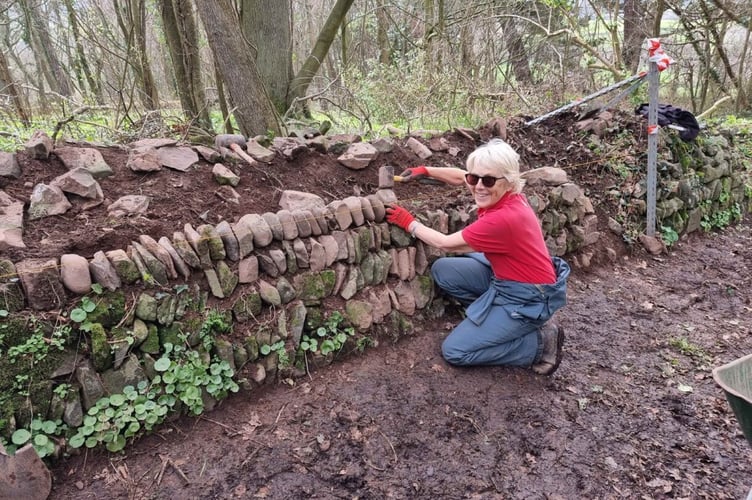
116,69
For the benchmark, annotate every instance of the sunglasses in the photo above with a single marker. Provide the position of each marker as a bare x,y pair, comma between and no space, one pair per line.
487,180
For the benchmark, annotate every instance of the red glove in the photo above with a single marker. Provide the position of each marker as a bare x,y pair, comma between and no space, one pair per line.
399,217
414,173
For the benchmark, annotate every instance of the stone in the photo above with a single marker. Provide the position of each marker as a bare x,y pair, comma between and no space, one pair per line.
132,204
358,156
289,226
74,272
39,145
9,168
160,253
185,250
180,158
274,224
290,200
262,233
303,221
180,265
88,159
418,148
224,176
41,284
144,159
46,201
103,272
124,267
248,269
229,241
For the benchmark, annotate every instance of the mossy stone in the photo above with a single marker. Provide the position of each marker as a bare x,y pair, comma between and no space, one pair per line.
146,307
109,310
251,345
101,352
151,344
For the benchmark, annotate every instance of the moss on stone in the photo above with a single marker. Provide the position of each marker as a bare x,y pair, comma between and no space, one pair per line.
110,309
171,334
151,344
328,279
101,353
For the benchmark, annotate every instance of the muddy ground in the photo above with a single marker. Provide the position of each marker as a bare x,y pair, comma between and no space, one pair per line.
633,411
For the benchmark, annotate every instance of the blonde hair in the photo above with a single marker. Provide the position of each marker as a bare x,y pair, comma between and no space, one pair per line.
498,157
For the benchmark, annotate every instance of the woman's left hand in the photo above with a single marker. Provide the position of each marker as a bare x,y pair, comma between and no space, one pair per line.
399,216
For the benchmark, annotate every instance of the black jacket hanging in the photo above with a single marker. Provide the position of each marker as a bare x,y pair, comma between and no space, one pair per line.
668,115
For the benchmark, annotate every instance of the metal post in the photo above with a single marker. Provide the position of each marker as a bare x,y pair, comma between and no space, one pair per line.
653,84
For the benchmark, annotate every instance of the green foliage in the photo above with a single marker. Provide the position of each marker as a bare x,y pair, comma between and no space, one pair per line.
41,434
720,218
669,235
683,345
279,348
115,418
329,337
183,375
81,313
186,374
37,345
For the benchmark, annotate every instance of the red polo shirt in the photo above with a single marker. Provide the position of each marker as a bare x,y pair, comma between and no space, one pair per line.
510,236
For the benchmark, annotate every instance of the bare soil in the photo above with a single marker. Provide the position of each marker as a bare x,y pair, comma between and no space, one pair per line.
633,411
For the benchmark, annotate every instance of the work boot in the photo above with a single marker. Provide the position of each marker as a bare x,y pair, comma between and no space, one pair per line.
552,336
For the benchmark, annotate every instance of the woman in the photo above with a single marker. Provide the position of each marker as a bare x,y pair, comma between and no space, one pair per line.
505,275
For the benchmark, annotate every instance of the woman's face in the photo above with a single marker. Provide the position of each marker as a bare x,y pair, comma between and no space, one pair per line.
486,196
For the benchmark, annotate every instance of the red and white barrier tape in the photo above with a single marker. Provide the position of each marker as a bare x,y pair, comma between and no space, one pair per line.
657,55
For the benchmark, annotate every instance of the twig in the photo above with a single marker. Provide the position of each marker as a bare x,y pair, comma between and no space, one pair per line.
249,457
179,471
162,469
368,463
202,417
279,415
396,459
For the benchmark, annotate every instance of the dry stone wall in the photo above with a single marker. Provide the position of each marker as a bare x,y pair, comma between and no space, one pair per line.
276,276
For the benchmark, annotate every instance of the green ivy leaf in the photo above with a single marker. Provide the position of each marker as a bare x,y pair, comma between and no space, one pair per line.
162,364
49,427
76,441
117,444
117,399
21,436
78,315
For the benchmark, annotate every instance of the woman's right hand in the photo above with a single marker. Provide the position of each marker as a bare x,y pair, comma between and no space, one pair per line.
414,174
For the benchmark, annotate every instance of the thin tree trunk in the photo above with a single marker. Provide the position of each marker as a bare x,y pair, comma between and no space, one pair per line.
132,21
382,33
182,41
81,66
9,86
302,80
41,42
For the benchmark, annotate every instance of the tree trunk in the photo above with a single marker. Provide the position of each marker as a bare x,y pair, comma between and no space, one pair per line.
633,34
41,42
302,80
9,85
253,110
518,57
267,25
182,41
132,21
81,65
382,33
